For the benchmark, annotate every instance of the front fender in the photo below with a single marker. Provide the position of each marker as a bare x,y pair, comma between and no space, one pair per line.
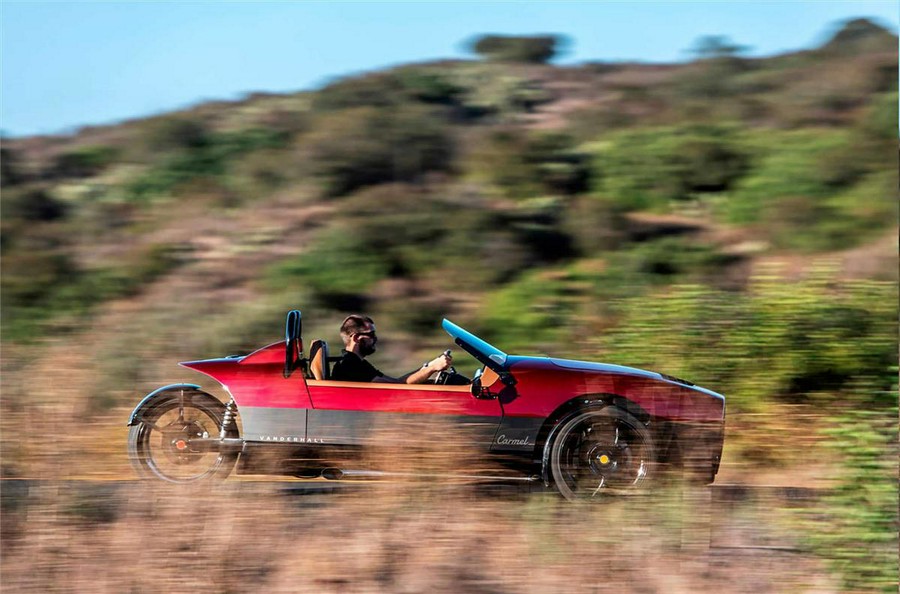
135,414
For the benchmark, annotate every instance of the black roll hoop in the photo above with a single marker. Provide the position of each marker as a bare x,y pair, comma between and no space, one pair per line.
293,342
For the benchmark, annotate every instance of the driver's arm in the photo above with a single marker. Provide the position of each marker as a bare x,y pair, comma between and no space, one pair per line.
422,374
439,363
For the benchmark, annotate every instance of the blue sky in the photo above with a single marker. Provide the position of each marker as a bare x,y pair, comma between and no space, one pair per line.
64,65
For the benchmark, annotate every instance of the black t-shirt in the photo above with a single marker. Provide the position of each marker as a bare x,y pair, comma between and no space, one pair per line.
353,369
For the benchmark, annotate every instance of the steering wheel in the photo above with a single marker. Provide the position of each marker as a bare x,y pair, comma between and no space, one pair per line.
445,375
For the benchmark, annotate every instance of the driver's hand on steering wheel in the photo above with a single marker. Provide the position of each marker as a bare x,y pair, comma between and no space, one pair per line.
440,363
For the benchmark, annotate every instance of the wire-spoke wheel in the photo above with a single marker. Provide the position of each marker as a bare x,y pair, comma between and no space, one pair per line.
160,443
602,451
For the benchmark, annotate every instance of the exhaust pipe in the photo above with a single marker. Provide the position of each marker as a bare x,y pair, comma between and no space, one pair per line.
332,474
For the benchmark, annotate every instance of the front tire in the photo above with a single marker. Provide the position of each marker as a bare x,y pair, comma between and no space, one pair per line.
599,452
159,442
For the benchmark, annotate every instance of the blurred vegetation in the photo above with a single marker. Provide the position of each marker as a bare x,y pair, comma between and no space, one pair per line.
85,161
814,340
530,50
630,213
409,84
525,166
716,72
191,152
362,147
858,535
647,169
46,284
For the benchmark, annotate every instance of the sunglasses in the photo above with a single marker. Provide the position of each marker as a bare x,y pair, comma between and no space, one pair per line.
370,334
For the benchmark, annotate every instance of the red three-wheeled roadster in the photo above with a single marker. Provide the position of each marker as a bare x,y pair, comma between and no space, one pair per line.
586,429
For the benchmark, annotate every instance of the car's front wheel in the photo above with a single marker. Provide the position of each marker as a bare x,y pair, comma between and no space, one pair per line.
601,451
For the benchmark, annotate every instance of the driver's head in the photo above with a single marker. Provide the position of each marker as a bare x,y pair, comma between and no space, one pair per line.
358,330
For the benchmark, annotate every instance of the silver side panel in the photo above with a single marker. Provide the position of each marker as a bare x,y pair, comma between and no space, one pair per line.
285,425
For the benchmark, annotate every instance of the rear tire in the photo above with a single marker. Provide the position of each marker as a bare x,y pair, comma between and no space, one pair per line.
159,441
599,452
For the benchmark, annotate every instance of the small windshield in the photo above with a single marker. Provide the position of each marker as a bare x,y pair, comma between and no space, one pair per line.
487,354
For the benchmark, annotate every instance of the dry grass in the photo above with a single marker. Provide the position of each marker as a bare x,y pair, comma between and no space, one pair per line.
409,534
239,537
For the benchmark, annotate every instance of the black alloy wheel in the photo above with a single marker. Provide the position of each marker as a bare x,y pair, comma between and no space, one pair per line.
600,452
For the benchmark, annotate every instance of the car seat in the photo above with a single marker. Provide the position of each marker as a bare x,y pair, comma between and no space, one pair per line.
318,360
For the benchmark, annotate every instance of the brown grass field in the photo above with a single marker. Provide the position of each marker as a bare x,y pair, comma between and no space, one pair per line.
85,525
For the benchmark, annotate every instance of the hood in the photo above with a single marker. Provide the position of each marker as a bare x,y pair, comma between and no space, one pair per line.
610,368
604,368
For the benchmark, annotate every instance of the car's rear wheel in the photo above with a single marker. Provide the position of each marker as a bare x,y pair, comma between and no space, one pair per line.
159,444
599,452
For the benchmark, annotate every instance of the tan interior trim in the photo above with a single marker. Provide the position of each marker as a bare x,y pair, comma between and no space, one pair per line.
488,377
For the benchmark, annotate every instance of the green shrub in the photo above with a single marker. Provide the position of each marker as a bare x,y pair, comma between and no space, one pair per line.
210,157
786,164
32,275
880,120
495,91
587,124
815,190
429,86
537,225
175,133
339,267
550,308
402,232
261,173
840,221
534,313
85,161
840,165
402,87
779,340
667,259
595,224
476,250
714,75
9,169
42,288
363,147
531,50
401,225
427,235
372,90
32,205
855,527
648,168
524,166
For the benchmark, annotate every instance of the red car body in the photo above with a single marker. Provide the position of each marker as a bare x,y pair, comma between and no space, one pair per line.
294,424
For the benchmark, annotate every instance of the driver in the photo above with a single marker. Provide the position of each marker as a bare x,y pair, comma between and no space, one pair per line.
358,334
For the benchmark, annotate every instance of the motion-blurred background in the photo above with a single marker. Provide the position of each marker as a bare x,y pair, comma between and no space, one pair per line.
729,218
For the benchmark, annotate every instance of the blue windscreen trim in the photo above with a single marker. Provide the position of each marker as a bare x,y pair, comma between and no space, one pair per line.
489,355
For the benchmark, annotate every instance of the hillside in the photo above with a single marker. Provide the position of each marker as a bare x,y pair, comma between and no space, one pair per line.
730,220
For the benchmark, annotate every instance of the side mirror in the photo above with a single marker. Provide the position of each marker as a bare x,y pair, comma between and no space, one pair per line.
476,387
293,342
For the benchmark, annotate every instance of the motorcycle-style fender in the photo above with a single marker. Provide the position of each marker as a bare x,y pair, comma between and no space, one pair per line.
135,414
